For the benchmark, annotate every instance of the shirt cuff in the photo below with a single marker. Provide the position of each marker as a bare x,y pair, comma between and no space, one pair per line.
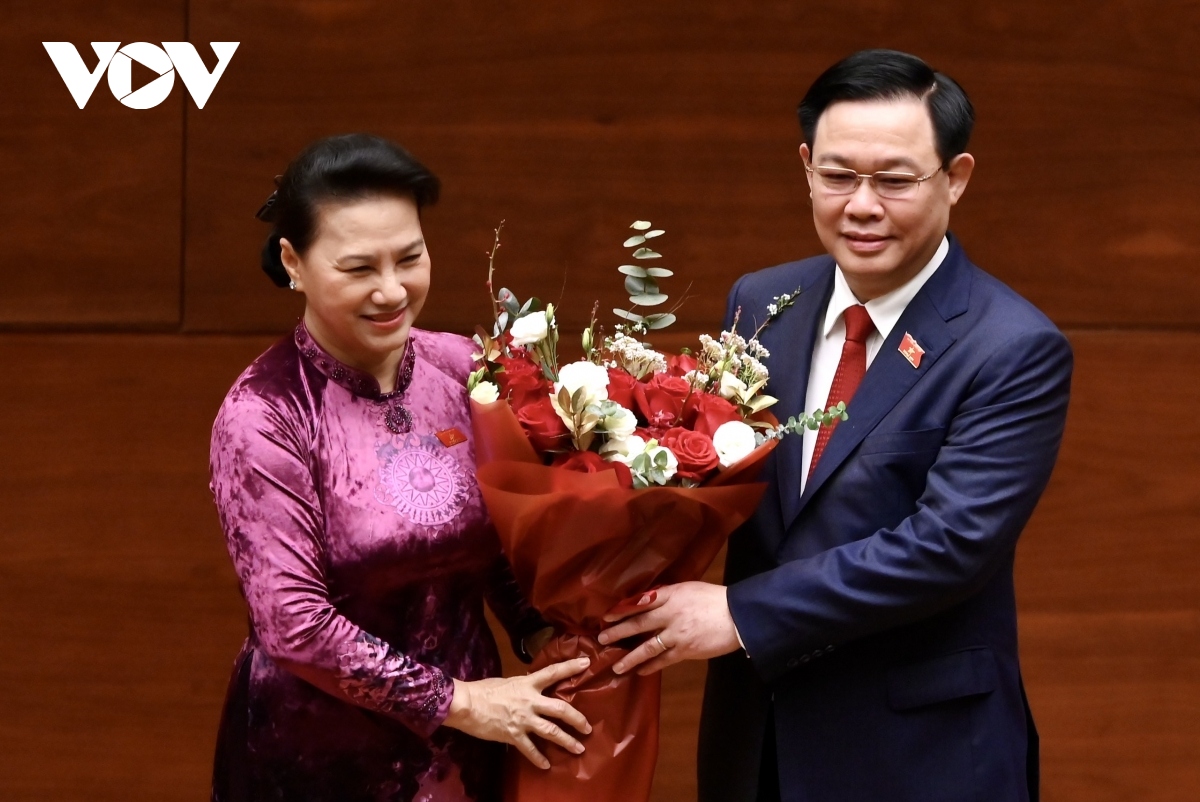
741,642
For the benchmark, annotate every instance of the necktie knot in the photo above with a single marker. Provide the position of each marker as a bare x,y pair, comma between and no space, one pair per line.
858,323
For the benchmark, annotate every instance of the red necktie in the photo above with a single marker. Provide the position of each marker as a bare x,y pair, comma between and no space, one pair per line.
849,373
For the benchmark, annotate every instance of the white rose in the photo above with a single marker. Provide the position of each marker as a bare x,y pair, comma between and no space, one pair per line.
592,378
485,392
731,386
623,450
530,329
620,423
672,461
733,440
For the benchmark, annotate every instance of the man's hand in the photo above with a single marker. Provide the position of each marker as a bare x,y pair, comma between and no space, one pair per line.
691,621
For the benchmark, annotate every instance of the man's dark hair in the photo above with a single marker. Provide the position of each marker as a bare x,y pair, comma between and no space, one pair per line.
338,169
892,75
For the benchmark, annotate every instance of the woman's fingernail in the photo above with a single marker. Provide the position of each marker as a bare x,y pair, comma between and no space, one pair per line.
618,669
647,598
603,638
577,749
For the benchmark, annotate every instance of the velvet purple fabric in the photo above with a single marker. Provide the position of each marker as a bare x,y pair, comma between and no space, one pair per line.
365,555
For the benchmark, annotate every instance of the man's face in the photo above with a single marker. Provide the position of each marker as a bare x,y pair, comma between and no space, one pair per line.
880,243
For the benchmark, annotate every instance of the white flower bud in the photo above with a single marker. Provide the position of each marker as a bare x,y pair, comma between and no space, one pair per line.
623,450
733,441
731,386
485,392
672,461
620,423
530,329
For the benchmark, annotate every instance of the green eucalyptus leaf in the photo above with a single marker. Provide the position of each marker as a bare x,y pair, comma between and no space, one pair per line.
631,316
640,225
648,299
635,270
646,253
659,272
527,306
637,239
660,321
502,321
658,232
641,286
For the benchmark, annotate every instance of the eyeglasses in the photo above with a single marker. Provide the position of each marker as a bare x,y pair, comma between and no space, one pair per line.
894,186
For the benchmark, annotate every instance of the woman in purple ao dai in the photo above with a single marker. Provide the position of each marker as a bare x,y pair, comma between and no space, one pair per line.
342,468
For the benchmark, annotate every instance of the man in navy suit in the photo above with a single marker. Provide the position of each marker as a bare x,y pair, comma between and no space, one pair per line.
864,647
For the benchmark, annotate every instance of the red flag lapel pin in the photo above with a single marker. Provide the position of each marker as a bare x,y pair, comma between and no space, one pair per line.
911,350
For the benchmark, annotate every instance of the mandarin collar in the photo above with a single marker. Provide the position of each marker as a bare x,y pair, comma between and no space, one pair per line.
356,381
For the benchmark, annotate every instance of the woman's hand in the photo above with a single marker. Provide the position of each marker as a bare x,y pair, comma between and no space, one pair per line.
508,710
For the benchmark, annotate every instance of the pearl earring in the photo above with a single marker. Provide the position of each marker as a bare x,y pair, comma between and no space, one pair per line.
292,284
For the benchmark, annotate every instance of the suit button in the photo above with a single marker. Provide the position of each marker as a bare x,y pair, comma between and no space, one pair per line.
829,648
805,658
793,662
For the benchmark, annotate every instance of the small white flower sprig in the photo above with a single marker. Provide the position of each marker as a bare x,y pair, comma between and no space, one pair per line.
795,423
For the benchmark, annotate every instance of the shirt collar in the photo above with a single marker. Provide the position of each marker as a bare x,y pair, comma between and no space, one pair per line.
885,311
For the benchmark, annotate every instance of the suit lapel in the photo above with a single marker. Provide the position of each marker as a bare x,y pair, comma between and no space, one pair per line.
794,336
891,376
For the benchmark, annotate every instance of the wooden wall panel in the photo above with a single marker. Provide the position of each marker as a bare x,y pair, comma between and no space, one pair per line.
118,604
1106,577
90,212
570,121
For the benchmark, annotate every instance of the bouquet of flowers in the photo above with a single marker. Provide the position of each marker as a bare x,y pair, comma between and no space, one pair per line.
607,476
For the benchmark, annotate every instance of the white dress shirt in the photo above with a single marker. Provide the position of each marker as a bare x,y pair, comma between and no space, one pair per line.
885,311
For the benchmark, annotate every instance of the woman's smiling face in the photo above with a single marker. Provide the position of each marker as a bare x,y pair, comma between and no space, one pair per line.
365,278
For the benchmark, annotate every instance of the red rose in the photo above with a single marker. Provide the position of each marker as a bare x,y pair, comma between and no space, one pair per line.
695,452
621,387
705,412
591,462
660,400
678,365
524,390
544,428
521,381
514,367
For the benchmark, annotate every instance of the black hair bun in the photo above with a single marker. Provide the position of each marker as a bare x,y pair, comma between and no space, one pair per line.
272,262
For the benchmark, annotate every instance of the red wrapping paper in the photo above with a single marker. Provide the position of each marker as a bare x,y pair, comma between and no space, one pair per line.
579,544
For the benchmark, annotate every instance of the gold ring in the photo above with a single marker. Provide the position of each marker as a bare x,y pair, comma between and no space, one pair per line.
660,642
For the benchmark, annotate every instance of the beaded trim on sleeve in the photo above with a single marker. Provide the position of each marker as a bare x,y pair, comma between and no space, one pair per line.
376,676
